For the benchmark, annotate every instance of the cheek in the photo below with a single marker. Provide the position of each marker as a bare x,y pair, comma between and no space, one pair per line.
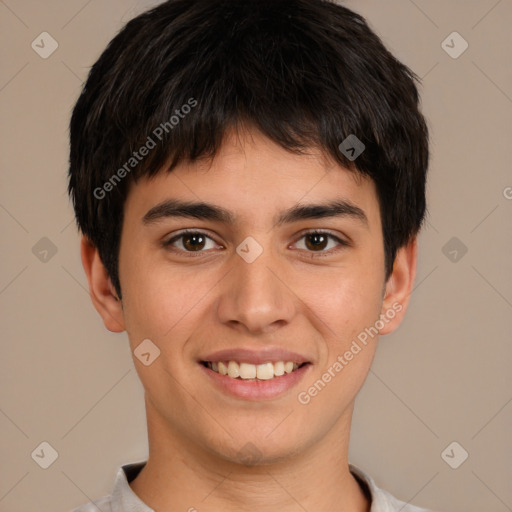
347,312
347,300
148,301
164,304
153,305
348,305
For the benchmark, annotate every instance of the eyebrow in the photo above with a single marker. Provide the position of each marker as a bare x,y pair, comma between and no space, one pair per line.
172,208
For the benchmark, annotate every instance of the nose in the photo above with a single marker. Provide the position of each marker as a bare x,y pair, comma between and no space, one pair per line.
256,297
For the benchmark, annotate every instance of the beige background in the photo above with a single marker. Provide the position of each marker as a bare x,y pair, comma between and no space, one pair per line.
444,376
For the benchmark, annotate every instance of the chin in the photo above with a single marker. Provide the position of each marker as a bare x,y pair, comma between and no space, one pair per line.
255,452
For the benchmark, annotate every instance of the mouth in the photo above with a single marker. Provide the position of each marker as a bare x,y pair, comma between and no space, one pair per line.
271,380
243,371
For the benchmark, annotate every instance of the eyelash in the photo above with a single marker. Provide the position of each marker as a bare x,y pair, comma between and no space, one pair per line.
168,243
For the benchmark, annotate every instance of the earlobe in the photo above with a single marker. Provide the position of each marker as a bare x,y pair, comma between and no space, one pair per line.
102,292
399,286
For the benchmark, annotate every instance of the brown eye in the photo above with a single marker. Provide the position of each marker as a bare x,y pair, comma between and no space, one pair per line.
193,242
190,242
318,241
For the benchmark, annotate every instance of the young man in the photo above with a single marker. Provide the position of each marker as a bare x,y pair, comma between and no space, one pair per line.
249,179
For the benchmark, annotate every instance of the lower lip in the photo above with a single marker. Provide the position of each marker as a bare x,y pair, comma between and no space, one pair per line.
257,389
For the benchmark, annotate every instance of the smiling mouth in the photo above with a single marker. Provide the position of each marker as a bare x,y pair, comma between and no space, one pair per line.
253,372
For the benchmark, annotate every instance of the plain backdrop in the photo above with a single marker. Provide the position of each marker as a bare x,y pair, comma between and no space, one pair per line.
443,377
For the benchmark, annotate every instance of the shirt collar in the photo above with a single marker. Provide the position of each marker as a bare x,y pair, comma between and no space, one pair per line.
125,500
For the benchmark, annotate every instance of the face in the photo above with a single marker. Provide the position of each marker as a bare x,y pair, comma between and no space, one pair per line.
268,273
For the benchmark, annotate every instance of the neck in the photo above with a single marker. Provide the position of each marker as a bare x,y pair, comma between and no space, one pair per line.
180,475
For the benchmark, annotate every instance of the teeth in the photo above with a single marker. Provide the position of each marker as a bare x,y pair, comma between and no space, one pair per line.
223,369
279,368
233,369
246,371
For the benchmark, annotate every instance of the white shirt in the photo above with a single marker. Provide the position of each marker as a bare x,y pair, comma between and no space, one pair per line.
123,499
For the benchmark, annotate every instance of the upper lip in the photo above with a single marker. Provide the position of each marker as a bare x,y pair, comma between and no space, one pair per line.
259,356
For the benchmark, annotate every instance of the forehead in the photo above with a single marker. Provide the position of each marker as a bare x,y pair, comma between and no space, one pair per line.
255,178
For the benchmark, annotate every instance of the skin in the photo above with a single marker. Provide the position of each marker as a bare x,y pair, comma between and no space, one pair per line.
289,297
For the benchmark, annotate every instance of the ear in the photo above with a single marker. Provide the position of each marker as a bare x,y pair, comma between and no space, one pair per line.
101,289
399,287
